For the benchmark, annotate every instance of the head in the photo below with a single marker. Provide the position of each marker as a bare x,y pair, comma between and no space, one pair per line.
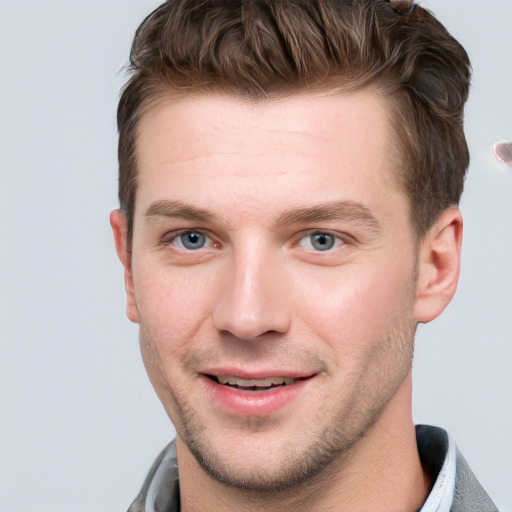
289,175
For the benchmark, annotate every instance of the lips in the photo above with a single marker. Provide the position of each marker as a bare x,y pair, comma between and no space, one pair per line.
256,395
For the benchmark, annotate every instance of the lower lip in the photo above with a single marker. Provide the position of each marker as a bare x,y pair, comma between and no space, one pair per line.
253,403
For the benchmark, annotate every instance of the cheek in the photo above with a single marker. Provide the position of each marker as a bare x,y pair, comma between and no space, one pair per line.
173,305
356,307
172,311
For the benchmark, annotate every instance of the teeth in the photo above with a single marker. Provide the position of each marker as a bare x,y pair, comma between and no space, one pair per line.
258,383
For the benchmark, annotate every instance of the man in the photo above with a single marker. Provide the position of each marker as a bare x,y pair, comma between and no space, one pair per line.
290,172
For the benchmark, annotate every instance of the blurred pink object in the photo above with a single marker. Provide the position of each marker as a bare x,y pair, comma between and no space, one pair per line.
503,152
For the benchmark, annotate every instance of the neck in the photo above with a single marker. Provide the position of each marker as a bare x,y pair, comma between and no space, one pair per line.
381,472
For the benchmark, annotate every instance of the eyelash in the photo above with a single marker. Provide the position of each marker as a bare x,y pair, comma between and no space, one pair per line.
171,238
337,240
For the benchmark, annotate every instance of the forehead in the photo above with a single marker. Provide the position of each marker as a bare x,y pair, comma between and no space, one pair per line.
309,148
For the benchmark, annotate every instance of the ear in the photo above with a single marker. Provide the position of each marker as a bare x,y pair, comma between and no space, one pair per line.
438,266
119,228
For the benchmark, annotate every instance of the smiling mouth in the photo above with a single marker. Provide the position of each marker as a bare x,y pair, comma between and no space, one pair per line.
254,384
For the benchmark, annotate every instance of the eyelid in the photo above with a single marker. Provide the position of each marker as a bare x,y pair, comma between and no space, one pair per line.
342,237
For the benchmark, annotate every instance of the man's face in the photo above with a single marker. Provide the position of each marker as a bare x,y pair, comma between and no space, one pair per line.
273,276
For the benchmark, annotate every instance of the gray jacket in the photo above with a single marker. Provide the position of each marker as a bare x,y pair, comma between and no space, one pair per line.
160,491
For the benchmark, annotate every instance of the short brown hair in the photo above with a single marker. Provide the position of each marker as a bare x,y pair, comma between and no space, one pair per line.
259,49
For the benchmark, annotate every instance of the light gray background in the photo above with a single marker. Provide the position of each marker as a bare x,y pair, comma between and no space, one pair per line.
79,422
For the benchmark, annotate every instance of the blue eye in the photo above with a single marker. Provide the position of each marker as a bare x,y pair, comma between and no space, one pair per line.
319,242
191,240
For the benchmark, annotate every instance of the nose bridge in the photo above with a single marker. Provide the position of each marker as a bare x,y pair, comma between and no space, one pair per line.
250,302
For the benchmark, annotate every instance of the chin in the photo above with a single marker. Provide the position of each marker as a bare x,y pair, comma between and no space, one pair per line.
268,475
264,460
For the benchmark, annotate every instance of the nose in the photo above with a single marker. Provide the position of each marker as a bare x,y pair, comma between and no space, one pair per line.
252,299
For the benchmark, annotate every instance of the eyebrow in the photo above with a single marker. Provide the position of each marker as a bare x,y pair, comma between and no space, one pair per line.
339,210
178,209
350,211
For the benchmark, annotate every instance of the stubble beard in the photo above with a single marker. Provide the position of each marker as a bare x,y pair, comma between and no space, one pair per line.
304,464
319,452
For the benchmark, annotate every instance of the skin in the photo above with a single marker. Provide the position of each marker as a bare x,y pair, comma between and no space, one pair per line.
256,182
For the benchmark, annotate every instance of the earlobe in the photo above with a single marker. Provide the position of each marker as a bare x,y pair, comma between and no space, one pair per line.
438,266
119,228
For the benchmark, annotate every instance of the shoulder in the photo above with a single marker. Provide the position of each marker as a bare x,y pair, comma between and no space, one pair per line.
469,495
160,490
